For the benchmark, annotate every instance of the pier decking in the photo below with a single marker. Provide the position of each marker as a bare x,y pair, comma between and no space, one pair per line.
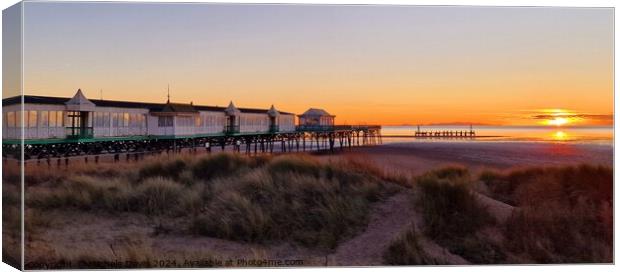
304,138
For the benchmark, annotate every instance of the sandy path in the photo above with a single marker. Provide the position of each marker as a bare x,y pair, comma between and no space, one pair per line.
500,210
388,220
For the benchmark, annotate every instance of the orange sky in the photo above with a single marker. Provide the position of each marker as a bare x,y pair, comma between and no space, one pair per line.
379,65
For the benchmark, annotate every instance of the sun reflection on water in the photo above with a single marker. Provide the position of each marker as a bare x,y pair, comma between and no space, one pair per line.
559,136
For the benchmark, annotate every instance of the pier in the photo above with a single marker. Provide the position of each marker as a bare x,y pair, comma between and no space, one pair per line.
59,128
445,133
303,139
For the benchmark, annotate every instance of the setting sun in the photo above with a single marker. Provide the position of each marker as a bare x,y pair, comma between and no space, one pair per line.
558,121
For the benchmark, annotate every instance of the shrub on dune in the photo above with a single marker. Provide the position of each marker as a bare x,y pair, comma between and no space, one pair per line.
534,185
554,234
450,172
82,192
449,206
304,165
220,165
193,199
157,195
152,196
453,216
170,169
407,250
564,213
233,216
290,198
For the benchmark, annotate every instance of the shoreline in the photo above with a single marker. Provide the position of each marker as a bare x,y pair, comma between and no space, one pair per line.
414,158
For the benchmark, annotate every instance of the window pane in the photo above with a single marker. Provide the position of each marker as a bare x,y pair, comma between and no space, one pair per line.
10,119
89,119
125,119
66,119
32,118
52,119
59,118
43,121
18,119
95,117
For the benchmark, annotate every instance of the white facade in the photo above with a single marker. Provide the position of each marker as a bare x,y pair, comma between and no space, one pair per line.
39,121
54,121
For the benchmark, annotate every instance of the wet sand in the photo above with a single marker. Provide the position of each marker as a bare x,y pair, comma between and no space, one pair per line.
417,157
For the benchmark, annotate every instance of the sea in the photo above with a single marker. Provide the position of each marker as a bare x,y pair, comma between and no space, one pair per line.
602,135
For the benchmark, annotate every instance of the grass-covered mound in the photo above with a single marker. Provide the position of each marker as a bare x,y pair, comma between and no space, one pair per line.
259,199
453,217
564,213
407,250
292,198
561,215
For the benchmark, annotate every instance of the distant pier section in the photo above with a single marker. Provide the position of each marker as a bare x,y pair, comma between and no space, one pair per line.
441,133
471,133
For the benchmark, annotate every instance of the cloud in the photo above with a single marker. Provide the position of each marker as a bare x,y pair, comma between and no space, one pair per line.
605,117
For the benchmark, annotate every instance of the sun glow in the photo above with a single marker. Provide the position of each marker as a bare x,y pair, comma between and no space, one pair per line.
558,121
556,117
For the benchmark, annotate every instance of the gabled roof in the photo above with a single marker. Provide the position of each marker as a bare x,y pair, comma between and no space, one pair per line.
79,102
231,109
273,112
51,100
314,112
79,99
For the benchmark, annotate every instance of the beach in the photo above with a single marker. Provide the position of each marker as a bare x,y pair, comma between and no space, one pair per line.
417,157
105,225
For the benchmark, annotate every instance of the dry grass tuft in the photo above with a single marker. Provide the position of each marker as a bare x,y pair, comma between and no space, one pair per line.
453,216
450,208
565,212
260,199
406,250
291,197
